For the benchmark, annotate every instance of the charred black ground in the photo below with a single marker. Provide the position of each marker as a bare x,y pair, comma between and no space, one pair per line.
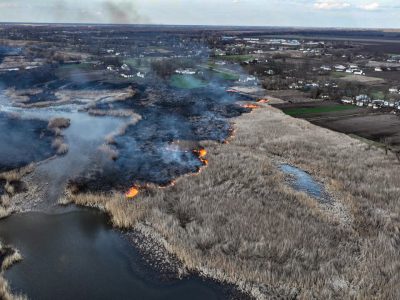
23,142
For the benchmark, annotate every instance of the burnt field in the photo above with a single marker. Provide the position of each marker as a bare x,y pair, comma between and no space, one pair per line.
151,151
379,126
165,114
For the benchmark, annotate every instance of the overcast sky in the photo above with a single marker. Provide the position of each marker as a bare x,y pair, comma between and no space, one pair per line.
316,13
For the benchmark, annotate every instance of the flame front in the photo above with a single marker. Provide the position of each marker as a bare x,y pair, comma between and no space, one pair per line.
202,153
132,193
263,101
251,106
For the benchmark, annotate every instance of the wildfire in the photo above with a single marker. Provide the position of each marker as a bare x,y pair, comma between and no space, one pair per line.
251,106
202,153
263,101
132,193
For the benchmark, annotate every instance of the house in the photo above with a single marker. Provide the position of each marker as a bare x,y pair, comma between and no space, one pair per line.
363,98
125,67
359,72
361,103
185,71
377,104
140,75
347,100
248,79
326,68
126,76
394,90
378,69
340,68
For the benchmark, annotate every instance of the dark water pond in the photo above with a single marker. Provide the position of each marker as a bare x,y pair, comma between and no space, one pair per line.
23,141
304,182
77,255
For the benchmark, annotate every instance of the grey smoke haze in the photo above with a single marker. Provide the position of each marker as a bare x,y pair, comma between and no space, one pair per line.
319,13
123,12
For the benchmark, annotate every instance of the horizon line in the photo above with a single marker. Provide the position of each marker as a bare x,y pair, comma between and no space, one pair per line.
201,25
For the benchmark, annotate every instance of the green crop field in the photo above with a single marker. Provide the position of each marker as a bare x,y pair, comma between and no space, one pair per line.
316,110
186,82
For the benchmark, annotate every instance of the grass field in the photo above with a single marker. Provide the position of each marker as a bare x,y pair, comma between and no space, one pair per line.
186,82
338,74
238,221
226,75
64,70
300,111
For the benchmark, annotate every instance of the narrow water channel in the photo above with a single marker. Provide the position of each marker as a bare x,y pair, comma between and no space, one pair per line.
304,182
78,255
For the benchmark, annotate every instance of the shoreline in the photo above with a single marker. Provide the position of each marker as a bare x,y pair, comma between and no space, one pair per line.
170,219
174,215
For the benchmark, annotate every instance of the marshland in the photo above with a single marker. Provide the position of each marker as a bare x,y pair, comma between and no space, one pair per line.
153,165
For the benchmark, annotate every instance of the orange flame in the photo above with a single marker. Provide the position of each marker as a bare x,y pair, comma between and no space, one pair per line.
263,101
202,153
251,106
132,193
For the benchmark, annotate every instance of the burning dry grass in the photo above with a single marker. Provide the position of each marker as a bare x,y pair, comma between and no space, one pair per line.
239,222
123,213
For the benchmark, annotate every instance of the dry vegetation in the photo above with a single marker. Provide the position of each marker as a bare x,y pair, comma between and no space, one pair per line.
238,221
59,123
56,125
9,257
12,182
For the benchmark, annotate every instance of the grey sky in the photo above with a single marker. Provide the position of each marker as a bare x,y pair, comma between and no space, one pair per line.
317,13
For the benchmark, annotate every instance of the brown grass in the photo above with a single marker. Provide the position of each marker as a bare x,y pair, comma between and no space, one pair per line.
12,177
13,257
59,145
60,123
5,292
17,174
239,222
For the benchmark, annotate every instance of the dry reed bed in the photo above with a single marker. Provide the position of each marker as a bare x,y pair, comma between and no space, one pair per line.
11,257
12,179
239,222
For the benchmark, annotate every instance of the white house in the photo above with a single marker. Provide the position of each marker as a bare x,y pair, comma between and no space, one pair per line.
340,68
185,71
